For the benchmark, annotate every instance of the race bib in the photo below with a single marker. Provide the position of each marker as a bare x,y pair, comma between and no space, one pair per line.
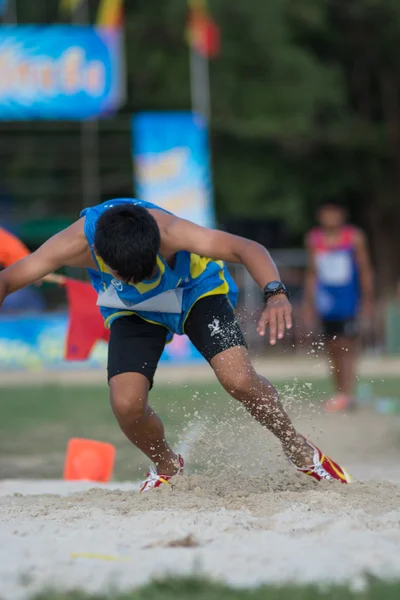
167,302
334,268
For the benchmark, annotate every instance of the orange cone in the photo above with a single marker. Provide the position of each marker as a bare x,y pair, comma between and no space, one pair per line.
89,460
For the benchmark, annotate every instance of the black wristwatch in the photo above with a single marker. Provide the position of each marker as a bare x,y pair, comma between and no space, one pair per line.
273,288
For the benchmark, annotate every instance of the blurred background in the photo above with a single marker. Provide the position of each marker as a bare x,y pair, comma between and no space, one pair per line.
300,99
245,116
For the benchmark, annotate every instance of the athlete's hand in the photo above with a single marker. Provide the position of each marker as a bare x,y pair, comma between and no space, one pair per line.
278,315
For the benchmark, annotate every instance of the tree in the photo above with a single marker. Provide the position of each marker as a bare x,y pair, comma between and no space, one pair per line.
305,105
313,113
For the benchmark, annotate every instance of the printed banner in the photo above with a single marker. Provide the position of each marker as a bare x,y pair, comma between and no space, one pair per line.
172,164
59,72
35,342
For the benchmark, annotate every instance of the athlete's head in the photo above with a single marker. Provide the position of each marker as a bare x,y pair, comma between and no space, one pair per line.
127,239
332,215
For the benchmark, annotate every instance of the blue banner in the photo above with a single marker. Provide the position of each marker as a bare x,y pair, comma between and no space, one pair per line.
59,72
34,342
172,164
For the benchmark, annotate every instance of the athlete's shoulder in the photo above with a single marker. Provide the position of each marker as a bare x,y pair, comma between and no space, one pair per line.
353,234
100,208
314,237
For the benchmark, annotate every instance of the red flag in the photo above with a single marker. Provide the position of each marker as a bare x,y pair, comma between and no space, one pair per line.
111,14
202,32
86,325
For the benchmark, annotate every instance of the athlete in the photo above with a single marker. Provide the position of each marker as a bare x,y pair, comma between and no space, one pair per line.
157,275
339,289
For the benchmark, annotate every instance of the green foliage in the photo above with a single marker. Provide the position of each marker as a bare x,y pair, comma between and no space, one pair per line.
196,589
305,103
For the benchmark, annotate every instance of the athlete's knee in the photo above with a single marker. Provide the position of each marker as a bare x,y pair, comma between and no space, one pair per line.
128,399
239,384
253,390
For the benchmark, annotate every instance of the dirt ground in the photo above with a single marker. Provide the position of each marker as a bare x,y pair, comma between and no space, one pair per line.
241,515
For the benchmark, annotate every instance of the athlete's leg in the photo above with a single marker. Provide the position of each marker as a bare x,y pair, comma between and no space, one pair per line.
343,352
342,348
213,329
141,425
134,351
236,374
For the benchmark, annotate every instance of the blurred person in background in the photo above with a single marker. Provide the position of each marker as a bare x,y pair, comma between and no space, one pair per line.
338,292
11,251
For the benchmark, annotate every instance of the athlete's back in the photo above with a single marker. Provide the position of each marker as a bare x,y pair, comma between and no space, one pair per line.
168,295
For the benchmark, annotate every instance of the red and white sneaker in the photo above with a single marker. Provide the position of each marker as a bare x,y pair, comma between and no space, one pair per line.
325,468
154,479
339,403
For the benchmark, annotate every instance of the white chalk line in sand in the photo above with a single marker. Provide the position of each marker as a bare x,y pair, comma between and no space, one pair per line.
58,487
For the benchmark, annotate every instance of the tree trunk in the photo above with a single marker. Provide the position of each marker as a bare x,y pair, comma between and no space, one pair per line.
384,228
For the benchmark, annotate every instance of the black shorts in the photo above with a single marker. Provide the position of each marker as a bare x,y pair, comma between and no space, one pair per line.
136,346
342,328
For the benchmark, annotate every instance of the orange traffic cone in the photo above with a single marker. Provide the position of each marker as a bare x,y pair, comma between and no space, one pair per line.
89,460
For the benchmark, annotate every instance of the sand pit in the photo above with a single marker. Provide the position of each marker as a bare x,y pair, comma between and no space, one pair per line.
240,524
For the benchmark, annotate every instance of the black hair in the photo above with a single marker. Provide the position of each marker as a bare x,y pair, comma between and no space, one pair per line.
127,239
335,204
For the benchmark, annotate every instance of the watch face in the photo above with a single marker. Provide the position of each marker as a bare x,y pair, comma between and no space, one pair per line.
274,285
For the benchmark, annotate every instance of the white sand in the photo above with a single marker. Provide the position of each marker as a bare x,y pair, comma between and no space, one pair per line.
247,524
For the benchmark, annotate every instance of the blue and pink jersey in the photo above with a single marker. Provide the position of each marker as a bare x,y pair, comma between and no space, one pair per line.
337,294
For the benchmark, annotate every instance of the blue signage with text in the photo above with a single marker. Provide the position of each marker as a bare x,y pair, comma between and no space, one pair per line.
172,164
59,72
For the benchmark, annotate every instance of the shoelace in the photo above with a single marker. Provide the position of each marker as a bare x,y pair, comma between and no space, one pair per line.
320,471
152,478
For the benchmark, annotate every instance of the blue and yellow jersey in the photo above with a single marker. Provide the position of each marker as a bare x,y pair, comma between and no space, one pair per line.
192,277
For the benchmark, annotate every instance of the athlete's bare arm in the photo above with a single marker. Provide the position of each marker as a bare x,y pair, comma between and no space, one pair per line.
67,248
179,234
366,273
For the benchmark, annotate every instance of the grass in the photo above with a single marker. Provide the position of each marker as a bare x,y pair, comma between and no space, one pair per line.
36,424
192,589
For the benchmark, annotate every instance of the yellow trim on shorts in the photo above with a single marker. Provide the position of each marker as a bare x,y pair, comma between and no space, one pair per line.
128,313
120,313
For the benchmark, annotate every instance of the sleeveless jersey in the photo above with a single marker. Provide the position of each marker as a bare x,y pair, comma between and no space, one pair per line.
167,298
337,294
